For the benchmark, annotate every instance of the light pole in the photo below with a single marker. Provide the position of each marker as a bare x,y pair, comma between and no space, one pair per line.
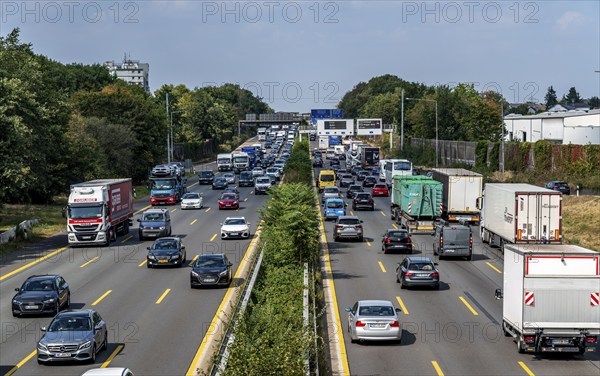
436,123
171,135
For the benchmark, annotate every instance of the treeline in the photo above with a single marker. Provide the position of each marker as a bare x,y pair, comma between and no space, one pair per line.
61,124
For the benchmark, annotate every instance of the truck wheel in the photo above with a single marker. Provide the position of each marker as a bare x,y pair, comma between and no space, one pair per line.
469,257
520,346
505,331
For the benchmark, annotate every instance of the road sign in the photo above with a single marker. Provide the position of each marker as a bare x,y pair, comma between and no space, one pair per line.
369,127
335,127
332,113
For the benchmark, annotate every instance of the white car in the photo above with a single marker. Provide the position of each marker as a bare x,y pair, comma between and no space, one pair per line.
109,371
230,177
257,171
191,200
235,227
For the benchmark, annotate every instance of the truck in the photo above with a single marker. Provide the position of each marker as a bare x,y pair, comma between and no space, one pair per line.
166,189
551,298
520,213
251,151
397,167
323,142
224,162
369,157
241,162
416,203
262,134
462,188
98,210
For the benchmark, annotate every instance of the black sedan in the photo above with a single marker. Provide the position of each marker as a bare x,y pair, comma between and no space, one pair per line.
206,177
369,181
362,174
41,294
166,251
396,240
317,162
559,186
211,269
219,183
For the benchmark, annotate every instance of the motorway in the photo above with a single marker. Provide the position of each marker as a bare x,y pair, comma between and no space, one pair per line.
155,321
453,331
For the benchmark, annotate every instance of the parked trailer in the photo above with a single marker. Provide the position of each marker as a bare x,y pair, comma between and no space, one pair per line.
462,188
99,210
520,213
551,298
416,202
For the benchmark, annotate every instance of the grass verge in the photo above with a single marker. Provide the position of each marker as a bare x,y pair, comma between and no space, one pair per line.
581,221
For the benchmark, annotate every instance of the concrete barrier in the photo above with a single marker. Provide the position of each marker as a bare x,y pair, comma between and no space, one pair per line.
11,233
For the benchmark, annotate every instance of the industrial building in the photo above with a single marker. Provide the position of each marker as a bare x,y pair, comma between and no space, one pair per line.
131,71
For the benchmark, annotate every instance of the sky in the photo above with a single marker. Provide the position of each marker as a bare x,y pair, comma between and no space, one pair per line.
300,55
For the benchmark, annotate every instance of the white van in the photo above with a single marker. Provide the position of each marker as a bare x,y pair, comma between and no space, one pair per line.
382,163
330,153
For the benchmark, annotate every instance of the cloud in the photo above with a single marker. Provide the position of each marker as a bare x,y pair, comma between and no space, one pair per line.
569,18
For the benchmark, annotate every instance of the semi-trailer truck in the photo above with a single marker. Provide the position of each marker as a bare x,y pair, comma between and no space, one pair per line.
224,162
462,188
551,298
520,213
98,210
416,202
369,157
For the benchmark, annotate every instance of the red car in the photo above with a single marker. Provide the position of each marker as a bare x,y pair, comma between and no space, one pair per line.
380,189
229,201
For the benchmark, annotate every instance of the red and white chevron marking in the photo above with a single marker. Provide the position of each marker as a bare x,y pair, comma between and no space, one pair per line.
529,298
409,207
595,299
441,208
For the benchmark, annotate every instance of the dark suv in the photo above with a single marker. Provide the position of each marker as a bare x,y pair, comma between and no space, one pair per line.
363,200
206,177
246,179
41,294
559,186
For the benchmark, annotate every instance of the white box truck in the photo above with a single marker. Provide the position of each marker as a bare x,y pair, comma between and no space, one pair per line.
323,142
462,188
551,298
224,162
520,213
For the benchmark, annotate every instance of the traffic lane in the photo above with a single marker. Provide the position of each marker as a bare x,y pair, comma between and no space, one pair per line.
137,253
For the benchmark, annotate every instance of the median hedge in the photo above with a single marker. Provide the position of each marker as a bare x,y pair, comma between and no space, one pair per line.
271,338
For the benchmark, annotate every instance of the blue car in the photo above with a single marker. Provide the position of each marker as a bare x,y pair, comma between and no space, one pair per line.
333,208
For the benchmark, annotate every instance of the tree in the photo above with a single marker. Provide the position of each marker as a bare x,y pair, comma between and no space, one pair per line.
550,98
385,106
572,96
594,102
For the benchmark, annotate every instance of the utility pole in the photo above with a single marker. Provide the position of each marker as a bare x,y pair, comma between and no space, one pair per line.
502,138
436,134
402,123
168,134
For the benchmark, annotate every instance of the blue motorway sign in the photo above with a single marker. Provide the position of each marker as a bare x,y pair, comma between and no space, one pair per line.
332,113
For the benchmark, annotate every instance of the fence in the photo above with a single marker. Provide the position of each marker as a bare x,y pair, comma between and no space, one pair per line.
450,152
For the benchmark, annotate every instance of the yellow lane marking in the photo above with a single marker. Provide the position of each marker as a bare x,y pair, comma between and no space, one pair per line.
382,213
251,192
21,363
213,237
394,226
213,325
189,186
143,262
474,312
246,199
438,370
163,296
207,210
194,221
194,260
526,369
368,243
89,262
127,238
382,267
27,266
351,213
102,297
173,210
142,209
112,356
404,310
493,267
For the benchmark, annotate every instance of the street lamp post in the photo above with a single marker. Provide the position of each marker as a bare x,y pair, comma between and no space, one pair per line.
436,123
171,157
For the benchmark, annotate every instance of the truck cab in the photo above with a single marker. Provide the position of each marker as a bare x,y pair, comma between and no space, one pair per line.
241,162
452,240
166,190
224,162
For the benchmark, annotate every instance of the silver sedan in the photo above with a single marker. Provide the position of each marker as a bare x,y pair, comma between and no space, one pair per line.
374,320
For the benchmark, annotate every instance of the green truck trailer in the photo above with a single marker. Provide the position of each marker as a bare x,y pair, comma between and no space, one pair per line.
416,202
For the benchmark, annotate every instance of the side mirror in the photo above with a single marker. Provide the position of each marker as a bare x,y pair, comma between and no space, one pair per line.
148,248
361,221
248,223
347,309
498,294
139,220
17,289
479,202
97,328
435,264
398,310
221,224
43,328
183,247
229,264
64,212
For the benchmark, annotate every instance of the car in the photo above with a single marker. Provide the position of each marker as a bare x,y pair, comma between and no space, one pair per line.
317,162
166,251
246,179
363,200
211,269
396,240
559,186
348,227
331,192
312,137
154,223
274,172
353,189
453,239
417,271
41,294
374,320
346,180
362,174
333,208
191,200
228,201
380,189
161,170
235,227
355,170
369,181
229,177
108,371
257,171
179,168
73,336
262,185
279,164
219,183
233,190
206,177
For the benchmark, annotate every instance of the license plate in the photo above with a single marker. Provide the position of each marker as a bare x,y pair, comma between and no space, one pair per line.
422,275
234,234
560,341
348,230
377,326
228,205
162,261
62,355
89,237
209,280
449,251
31,307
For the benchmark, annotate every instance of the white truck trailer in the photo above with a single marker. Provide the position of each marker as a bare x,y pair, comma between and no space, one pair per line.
323,142
520,213
462,188
551,298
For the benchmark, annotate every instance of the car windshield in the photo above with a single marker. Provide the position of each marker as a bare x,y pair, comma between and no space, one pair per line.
165,244
380,186
335,204
349,221
223,160
220,180
347,177
191,196
228,176
240,159
327,177
210,262
162,184
363,196
355,188
229,196
456,235
376,311
44,285
425,266
246,175
80,212
235,221
398,234
263,181
70,324
206,174
154,217
402,166
331,190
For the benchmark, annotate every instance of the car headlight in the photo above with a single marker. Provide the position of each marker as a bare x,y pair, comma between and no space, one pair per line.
41,346
51,300
194,274
151,257
161,227
15,301
85,345
224,272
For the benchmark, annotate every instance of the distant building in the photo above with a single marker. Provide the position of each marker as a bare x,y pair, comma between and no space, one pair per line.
131,71
570,127
569,107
